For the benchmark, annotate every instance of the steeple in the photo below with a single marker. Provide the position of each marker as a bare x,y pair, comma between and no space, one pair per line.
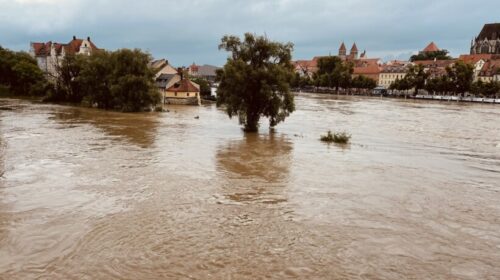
354,51
342,50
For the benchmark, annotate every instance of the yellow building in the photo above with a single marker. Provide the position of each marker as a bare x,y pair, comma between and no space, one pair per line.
183,92
391,72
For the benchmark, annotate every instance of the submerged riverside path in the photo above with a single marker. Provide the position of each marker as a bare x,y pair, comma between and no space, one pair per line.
89,194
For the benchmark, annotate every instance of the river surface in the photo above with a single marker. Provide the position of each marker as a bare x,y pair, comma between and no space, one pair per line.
89,194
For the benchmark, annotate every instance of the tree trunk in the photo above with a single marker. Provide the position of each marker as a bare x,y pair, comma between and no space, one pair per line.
252,121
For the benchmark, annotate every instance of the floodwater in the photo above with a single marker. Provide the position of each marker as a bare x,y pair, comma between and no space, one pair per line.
88,194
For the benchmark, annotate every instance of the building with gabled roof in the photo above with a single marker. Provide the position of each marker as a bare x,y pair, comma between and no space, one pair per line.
207,72
183,92
490,71
50,54
368,67
162,66
392,71
435,68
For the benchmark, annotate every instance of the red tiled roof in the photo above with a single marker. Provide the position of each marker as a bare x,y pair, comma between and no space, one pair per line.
436,63
366,66
72,47
474,58
432,47
183,85
490,68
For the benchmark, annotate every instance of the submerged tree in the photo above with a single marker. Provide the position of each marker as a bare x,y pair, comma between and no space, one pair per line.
256,79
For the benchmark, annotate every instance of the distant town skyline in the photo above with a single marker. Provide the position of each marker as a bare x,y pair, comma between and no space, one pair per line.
190,31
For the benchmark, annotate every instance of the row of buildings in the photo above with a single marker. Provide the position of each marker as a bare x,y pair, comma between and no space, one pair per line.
484,56
173,83
176,87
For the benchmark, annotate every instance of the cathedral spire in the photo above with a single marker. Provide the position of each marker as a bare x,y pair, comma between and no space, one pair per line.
342,50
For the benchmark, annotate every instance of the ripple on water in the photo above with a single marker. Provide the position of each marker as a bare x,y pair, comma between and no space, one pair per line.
89,194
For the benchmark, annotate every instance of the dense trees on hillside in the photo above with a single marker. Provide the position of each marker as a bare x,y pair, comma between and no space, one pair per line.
255,81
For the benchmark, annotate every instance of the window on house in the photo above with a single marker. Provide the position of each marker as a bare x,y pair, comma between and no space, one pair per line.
176,94
187,94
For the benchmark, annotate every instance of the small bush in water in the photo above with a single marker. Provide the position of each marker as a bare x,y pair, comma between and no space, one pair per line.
337,137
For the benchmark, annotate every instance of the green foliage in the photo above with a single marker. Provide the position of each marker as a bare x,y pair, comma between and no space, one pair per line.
333,73
416,77
439,55
256,80
119,80
363,82
489,89
205,89
400,84
461,75
337,137
20,74
68,84
441,84
299,81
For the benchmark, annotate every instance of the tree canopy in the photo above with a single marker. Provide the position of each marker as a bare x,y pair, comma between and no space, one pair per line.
461,75
20,74
119,80
439,55
416,78
205,89
334,73
255,81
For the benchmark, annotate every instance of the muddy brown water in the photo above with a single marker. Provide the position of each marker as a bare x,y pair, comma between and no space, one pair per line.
88,194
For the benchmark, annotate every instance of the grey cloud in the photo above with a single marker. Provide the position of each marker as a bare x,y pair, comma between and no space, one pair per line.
187,31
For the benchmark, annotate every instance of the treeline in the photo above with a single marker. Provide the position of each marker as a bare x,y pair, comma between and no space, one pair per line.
20,74
119,80
334,73
458,80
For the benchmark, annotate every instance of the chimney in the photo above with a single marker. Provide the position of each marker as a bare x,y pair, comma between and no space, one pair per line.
74,37
180,72
88,38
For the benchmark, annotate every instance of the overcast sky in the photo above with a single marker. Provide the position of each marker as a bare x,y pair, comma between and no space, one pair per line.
187,31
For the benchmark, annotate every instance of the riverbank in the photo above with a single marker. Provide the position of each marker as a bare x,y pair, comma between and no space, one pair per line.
430,97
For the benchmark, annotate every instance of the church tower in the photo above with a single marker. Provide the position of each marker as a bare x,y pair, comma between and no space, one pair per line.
354,52
342,51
